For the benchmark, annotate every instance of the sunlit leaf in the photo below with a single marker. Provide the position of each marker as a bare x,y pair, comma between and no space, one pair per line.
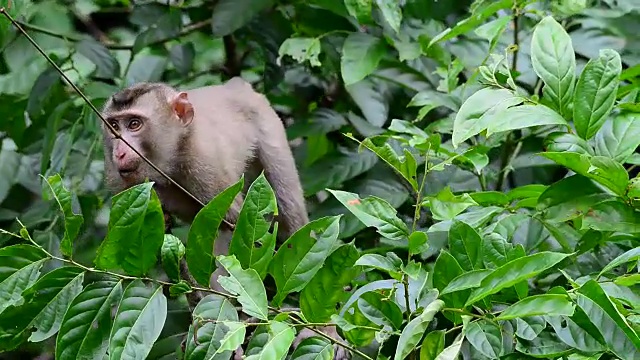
246,285
596,92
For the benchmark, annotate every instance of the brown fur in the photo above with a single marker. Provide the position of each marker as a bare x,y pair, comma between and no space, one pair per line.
234,130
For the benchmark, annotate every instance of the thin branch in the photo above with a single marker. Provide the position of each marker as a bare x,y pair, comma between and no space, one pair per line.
109,45
97,112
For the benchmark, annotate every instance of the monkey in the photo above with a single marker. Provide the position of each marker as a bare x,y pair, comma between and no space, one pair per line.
204,139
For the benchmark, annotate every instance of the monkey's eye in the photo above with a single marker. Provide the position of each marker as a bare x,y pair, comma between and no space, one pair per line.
134,124
114,125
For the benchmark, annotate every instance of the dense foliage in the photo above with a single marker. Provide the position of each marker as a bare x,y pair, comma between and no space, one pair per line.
470,170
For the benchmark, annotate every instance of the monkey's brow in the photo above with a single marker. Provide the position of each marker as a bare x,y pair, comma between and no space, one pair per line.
125,98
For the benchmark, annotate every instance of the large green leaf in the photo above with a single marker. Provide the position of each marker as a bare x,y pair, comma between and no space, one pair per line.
231,15
252,243
465,245
621,338
56,290
72,222
313,348
211,313
136,231
246,285
361,54
554,61
204,232
12,286
485,337
325,291
375,212
522,117
480,110
270,341
546,304
84,332
303,254
513,272
414,330
141,314
596,93
619,137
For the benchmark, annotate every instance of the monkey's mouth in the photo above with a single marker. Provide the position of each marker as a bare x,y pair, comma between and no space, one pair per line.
127,172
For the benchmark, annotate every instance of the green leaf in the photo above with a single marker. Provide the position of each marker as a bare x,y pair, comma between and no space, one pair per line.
554,61
182,56
405,165
478,17
301,49
628,256
465,245
107,67
391,12
360,9
332,171
181,287
570,198
11,287
166,26
141,314
547,304
485,337
146,68
513,272
601,169
313,348
374,212
136,231
204,232
522,117
231,15
320,298
467,280
361,54
172,252
213,314
380,310
84,332
612,215
252,243
573,335
492,30
566,142
545,345
484,198
275,346
246,284
446,206
432,345
619,336
418,242
56,290
414,330
72,222
233,338
387,264
480,110
302,255
619,137
596,92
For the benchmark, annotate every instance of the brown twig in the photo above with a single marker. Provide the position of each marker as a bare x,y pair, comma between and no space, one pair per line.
185,31
97,112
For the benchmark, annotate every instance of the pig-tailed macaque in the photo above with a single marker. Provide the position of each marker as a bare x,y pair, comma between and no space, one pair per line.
204,139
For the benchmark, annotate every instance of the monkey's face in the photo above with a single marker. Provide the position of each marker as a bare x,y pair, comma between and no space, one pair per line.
128,164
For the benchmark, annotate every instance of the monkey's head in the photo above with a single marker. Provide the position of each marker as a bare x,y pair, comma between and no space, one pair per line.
154,119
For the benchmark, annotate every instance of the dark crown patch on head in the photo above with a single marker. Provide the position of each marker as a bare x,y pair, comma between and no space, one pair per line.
125,98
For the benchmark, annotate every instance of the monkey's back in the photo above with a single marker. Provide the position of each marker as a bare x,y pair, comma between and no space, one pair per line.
224,126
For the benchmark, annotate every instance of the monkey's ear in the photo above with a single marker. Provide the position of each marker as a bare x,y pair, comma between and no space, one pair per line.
183,108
